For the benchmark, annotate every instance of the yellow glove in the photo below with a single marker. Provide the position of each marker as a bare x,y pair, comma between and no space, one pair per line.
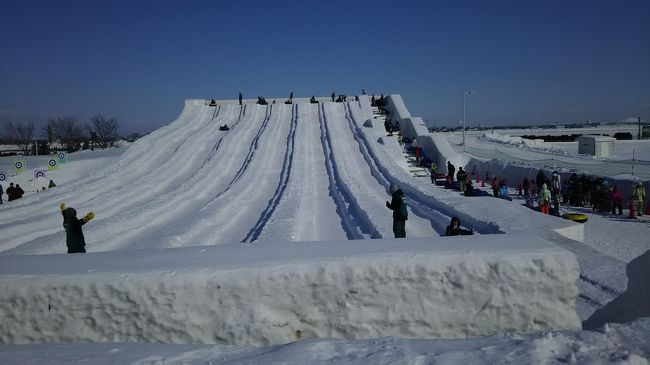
62,206
90,216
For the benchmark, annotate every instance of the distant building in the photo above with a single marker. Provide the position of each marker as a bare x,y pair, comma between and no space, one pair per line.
599,146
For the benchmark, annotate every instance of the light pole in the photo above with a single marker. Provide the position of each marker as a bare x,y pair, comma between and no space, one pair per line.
464,95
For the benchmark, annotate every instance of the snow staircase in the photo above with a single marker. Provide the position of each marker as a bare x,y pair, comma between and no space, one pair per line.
413,167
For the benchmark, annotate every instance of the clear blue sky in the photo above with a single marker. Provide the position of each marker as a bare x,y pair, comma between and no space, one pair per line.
528,61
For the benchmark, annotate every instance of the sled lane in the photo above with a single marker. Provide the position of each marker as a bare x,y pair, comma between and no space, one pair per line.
305,212
422,222
232,214
183,211
254,233
354,220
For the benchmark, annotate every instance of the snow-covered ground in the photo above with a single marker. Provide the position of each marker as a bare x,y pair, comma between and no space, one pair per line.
299,172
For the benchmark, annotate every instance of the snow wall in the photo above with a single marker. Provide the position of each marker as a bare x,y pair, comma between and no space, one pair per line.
436,147
631,305
451,287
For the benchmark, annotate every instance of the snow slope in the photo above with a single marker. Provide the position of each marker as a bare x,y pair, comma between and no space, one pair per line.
288,173
191,184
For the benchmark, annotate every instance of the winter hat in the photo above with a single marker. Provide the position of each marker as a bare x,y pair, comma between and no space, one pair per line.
69,213
393,188
544,186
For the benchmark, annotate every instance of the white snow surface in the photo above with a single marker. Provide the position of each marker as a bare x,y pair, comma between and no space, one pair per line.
277,293
288,173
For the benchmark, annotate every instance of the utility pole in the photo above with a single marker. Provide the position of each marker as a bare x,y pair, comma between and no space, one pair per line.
464,95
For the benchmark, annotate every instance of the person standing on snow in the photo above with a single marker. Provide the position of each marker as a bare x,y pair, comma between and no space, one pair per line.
639,196
451,169
240,98
400,213
526,185
74,236
495,186
617,201
18,192
544,199
556,186
10,192
1,192
433,172
461,176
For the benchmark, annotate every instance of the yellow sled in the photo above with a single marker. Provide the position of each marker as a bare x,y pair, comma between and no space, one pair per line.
580,218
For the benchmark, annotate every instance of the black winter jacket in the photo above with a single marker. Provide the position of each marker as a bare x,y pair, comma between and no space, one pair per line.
74,237
396,204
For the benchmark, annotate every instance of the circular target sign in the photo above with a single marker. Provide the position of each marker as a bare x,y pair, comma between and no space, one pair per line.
40,174
3,177
61,156
18,165
52,162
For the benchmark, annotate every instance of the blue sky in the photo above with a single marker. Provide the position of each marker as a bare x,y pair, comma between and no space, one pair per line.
529,62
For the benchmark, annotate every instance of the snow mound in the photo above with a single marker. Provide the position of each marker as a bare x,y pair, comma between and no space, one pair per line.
453,287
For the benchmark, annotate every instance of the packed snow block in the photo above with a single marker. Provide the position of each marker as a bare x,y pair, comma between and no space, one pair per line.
631,305
395,105
413,127
451,287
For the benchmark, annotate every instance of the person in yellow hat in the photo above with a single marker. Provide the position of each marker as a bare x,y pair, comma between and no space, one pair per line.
74,236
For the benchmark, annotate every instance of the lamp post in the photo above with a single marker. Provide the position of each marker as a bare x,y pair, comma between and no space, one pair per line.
464,95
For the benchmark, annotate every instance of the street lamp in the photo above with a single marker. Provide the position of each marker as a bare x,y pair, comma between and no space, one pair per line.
464,95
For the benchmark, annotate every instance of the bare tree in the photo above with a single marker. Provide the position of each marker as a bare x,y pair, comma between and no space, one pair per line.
49,132
67,130
20,134
106,129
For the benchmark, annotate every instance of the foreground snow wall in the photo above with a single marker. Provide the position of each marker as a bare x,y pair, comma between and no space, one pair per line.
453,287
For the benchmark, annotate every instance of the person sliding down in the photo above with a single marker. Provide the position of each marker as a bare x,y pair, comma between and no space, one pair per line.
224,127
74,237
453,229
400,213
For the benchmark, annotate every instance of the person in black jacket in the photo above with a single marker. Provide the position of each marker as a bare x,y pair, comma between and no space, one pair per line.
18,192
74,236
451,169
10,192
453,229
400,213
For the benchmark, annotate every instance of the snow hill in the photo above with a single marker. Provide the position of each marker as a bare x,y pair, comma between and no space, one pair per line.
282,175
